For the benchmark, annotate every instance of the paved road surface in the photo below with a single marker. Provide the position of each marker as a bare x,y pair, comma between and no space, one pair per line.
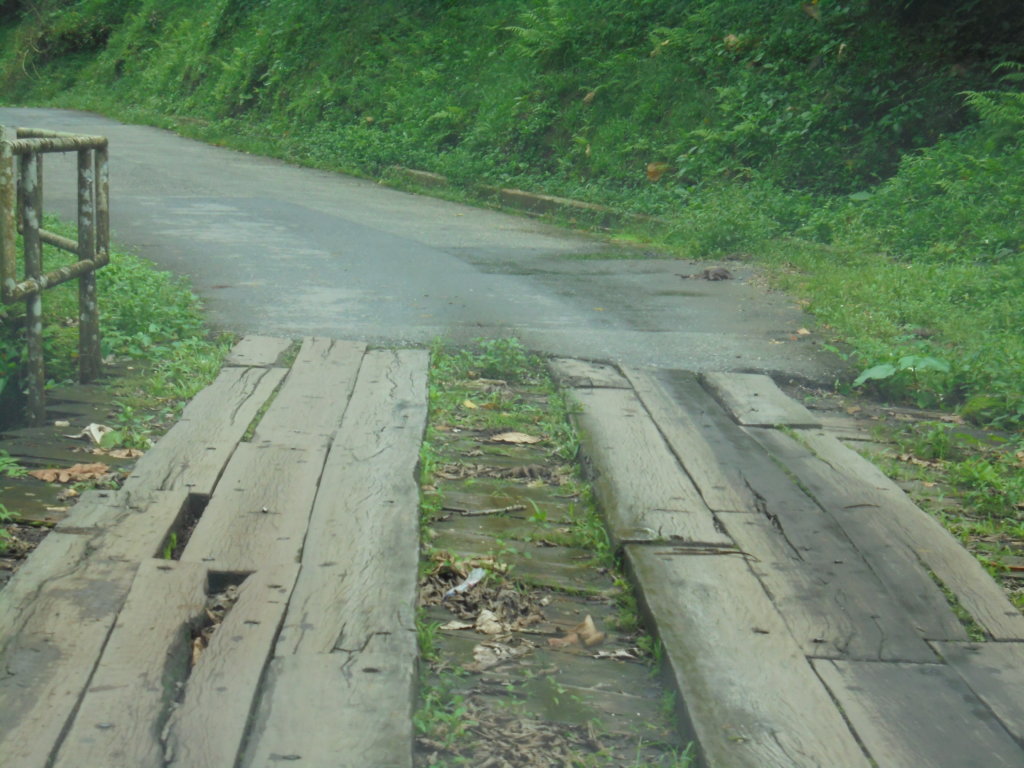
287,251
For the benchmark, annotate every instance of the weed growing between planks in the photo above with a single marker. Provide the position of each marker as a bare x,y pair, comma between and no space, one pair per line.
523,665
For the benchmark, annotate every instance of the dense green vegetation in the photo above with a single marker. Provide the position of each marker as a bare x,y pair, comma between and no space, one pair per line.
870,149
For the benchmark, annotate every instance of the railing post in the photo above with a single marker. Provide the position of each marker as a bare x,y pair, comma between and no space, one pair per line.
8,208
30,215
88,306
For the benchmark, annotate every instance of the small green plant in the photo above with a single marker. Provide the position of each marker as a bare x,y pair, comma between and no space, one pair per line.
9,467
169,546
443,716
5,535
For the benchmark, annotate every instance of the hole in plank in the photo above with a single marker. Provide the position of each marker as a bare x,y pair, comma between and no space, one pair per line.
222,594
186,522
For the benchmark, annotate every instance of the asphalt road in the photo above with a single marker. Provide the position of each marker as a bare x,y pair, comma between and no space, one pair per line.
280,250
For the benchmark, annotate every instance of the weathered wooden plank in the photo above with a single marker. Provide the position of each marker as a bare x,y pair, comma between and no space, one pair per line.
995,672
123,527
831,600
720,485
133,687
194,452
358,576
208,727
259,511
644,492
306,406
93,510
832,593
344,710
572,373
756,401
910,715
51,643
257,351
751,697
866,502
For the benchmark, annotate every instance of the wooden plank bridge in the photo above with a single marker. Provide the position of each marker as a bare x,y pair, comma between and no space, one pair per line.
804,603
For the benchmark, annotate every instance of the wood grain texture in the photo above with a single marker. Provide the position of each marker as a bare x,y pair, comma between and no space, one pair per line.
865,501
756,401
912,715
55,623
117,724
641,488
358,576
343,710
208,727
751,697
830,598
684,424
995,672
583,374
257,351
308,408
235,533
194,452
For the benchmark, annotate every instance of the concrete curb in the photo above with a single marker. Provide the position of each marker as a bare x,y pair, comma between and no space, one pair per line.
531,203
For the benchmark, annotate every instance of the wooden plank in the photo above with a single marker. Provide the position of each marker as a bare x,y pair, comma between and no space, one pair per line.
720,485
583,374
123,527
910,715
359,565
751,697
644,492
258,351
307,406
344,710
133,687
863,499
831,600
196,449
50,647
260,509
829,592
208,727
93,510
756,401
995,672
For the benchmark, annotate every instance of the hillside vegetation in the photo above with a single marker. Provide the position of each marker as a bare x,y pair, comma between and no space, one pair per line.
871,150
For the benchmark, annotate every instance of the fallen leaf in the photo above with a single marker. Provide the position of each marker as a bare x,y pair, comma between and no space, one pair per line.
564,642
619,654
62,424
515,438
487,623
585,633
457,625
589,633
125,453
487,655
470,405
75,474
803,332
